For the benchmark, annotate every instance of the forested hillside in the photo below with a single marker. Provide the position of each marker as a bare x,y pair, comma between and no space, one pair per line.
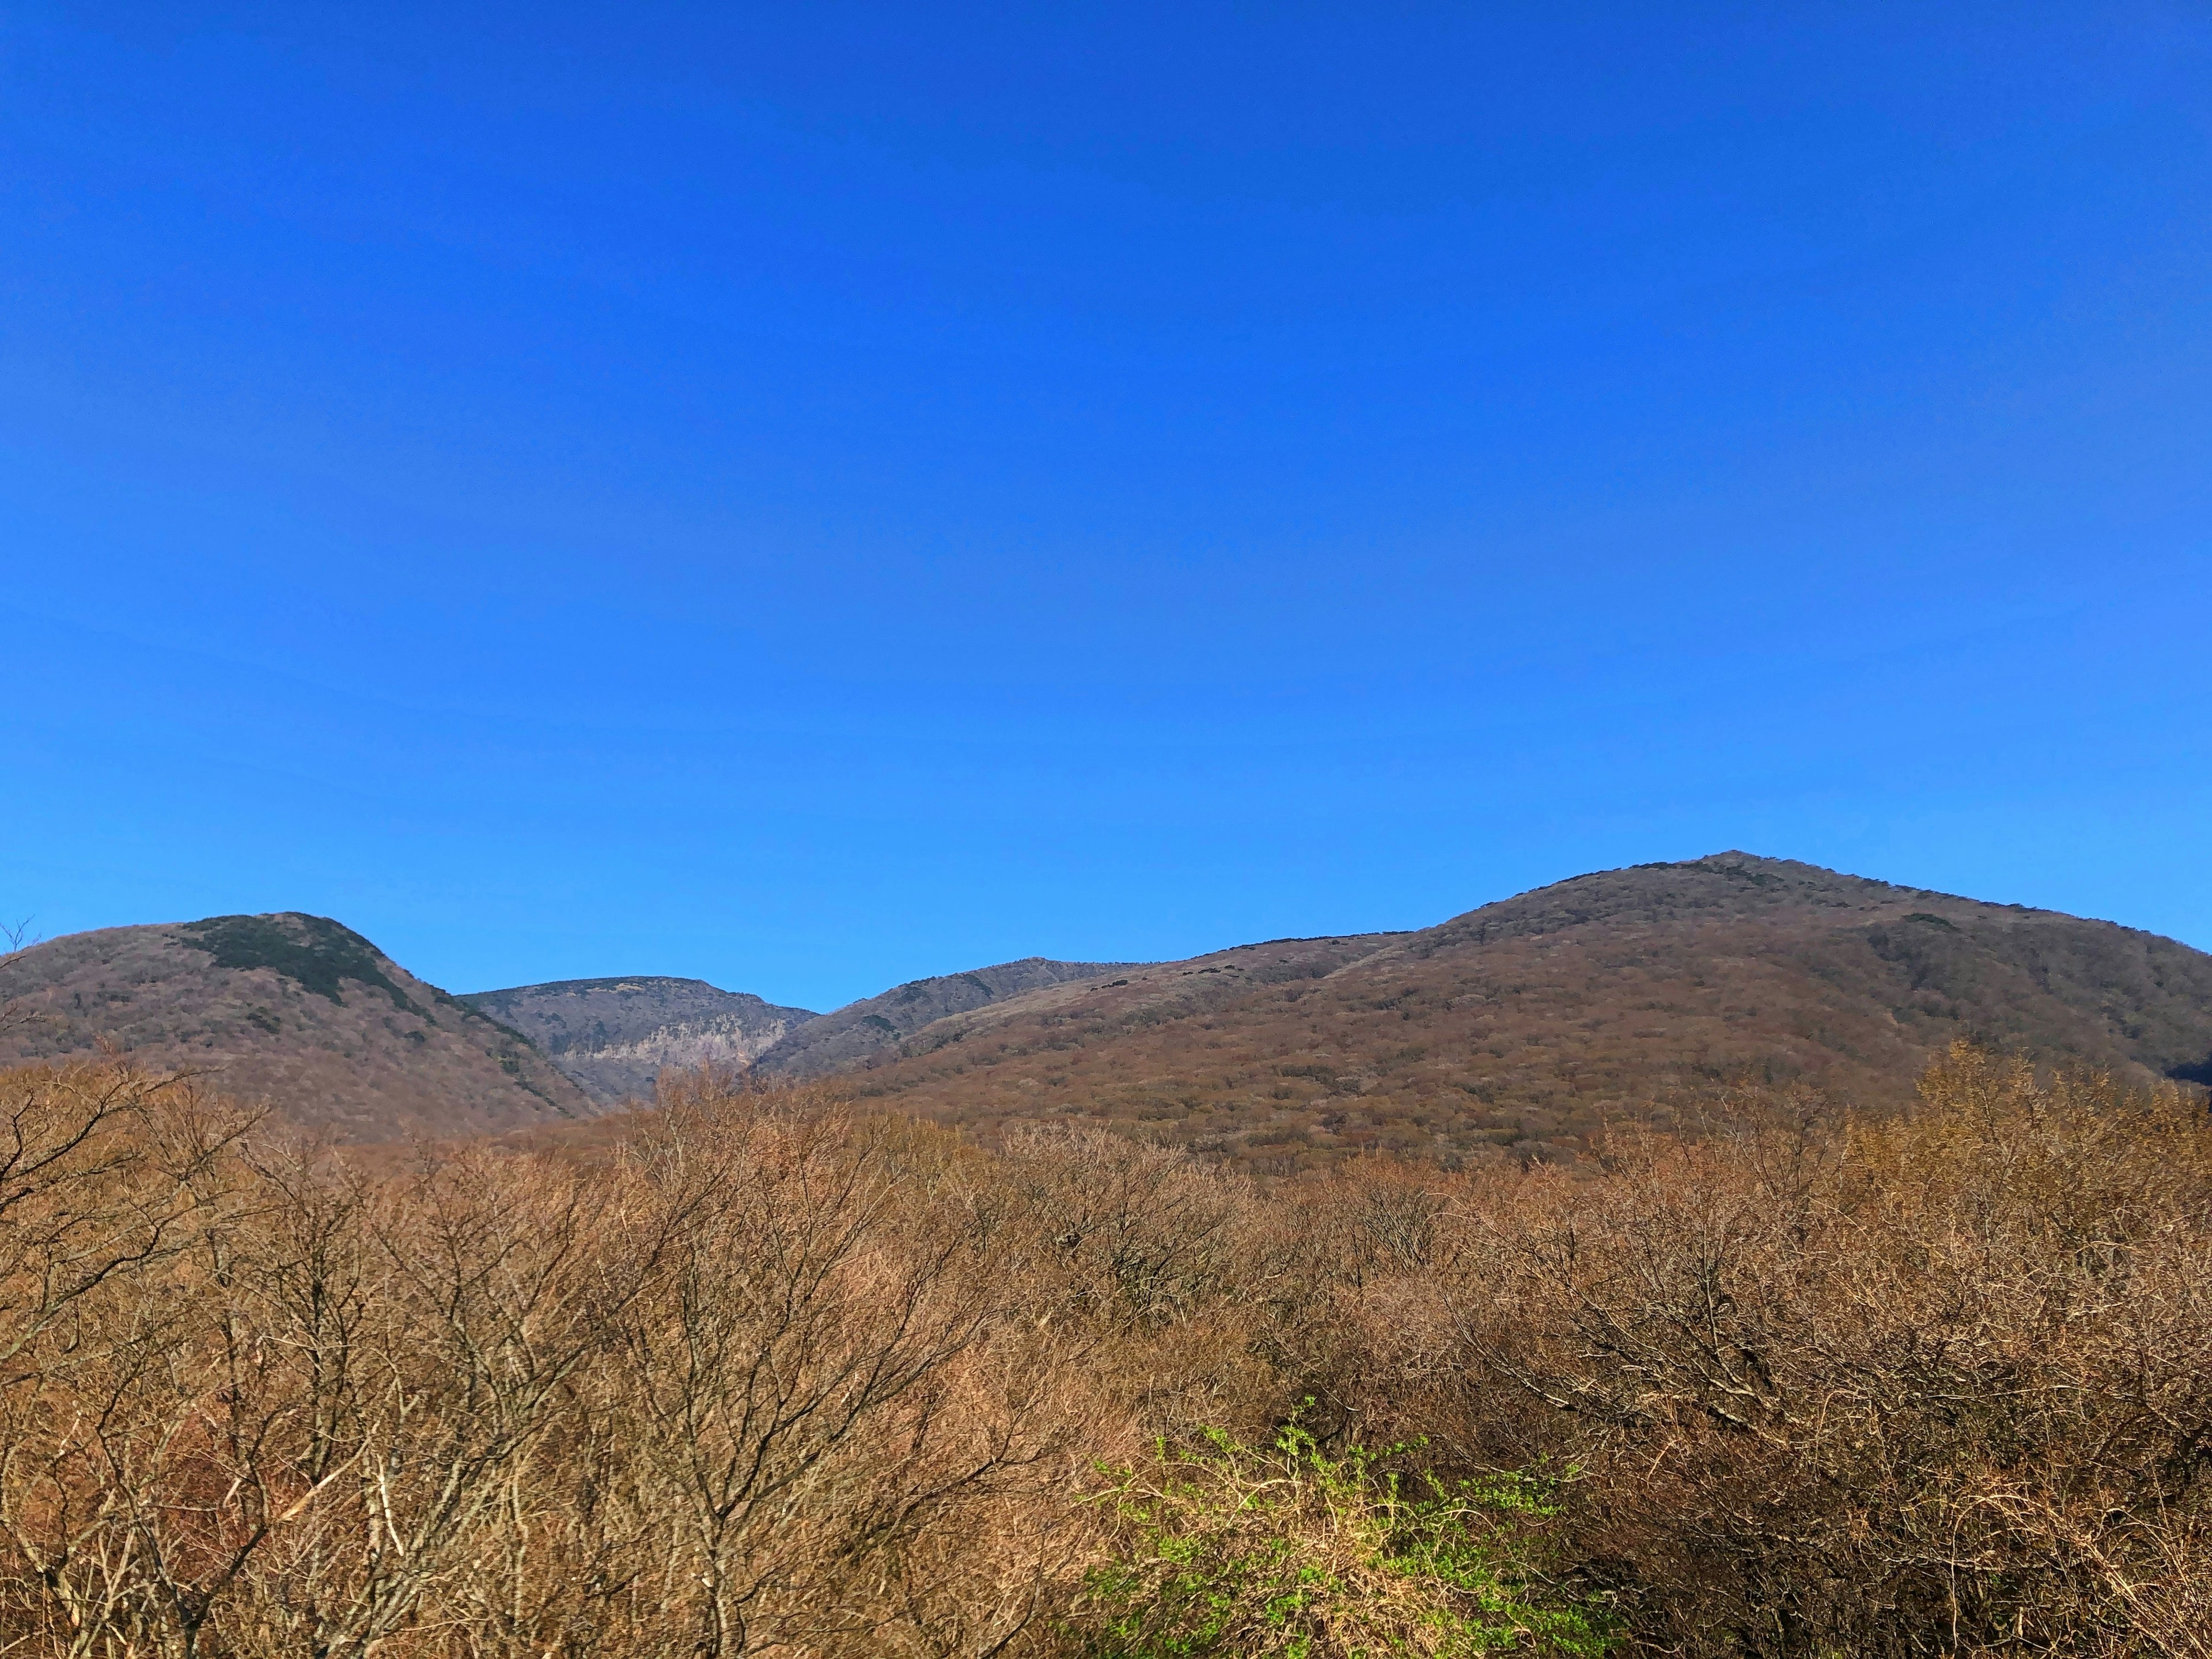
294,1010
1524,1026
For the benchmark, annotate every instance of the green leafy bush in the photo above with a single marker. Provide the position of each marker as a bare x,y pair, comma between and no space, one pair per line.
1240,1552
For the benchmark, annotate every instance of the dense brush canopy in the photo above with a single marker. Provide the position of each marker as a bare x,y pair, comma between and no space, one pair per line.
757,1374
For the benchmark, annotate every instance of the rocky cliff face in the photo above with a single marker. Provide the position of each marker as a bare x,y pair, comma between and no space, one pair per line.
613,1038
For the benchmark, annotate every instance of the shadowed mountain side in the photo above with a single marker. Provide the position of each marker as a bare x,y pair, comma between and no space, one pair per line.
1145,995
292,1010
613,1038
852,1034
1527,1025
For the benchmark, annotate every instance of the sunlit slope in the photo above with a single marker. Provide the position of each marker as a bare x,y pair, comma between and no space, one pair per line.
293,1010
1527,1023
857,1032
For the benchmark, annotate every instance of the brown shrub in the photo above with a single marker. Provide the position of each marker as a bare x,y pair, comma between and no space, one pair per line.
760,1375
758,1382
1931,1384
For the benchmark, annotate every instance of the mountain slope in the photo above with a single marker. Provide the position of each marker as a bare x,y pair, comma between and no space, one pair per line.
1527,1025
1521,1027
613,1038
293,1010
859,1029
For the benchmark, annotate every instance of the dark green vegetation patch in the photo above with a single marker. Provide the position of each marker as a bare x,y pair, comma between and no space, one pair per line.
314,952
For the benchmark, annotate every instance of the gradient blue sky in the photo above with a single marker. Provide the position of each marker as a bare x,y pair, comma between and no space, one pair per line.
810,496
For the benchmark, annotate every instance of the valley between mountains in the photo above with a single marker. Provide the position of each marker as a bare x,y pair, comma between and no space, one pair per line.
1656,993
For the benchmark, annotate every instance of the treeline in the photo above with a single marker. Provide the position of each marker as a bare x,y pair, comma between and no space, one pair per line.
769,1377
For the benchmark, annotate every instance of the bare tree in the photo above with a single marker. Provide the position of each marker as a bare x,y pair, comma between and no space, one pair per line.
800,1375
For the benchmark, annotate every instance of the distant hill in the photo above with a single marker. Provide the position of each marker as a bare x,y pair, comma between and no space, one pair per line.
292,1010
1521,1027
613,1038
859,1030
1529,1024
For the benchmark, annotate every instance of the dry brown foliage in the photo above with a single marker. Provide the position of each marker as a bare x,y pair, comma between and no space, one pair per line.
760,1382
762,1375
1934,1384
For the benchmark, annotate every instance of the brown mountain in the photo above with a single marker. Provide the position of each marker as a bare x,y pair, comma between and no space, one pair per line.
859,1030
1519,1028
291,1010
613,1038
1526,1025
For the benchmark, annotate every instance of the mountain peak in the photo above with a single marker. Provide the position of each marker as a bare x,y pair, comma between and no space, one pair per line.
614,1036
294,1009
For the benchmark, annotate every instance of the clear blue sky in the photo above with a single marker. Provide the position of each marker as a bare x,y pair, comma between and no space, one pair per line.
812,495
